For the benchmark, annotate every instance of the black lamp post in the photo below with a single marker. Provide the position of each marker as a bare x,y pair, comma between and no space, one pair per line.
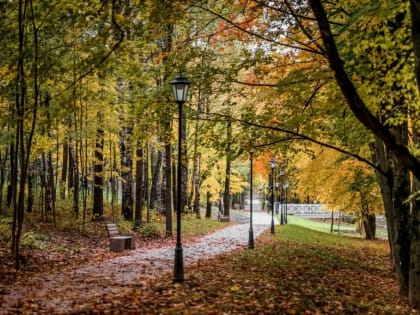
251,232
282,216
272,165
277,197
180,89
286,185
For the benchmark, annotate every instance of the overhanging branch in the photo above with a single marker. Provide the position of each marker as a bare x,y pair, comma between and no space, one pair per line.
299,136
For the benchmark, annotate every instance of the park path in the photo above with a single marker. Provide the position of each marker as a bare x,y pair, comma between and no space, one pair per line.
66,292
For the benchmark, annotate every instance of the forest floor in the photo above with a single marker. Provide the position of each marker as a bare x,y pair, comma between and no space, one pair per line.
296,271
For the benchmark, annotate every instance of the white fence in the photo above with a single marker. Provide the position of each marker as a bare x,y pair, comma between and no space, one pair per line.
306,208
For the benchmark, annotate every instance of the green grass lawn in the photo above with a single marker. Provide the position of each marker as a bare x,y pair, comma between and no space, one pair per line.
317,225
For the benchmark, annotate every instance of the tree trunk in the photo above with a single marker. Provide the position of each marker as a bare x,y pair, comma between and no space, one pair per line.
51,185
11,186
76,181
113,180
23,140
30,201
156,159
126,173
226,195
196,159
64,169
3,160
184,164
174,185
368,218
394,192
196,186
51,190
98,180
147,183
70,173
140,180
414,273
166,188
208,205
369,225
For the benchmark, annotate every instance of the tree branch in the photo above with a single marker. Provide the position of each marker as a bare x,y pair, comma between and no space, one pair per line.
299,136
356,104
256,34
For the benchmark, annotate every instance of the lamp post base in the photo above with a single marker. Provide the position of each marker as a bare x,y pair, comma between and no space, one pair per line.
251,239
272,226
179,264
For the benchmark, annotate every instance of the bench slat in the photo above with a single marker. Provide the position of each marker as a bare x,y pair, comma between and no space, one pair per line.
112,229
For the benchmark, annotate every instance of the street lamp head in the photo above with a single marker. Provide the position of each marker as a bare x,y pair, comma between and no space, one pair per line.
180,88
282,172
272,163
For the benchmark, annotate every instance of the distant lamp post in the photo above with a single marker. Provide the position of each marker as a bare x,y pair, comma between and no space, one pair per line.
286,185
282,215
272,165
251,231
180,89
277,197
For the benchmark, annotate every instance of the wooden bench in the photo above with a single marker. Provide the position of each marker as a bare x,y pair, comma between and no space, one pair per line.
222,218
118,242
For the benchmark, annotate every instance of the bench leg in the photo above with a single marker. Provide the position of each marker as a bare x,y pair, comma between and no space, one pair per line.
129,242
116,244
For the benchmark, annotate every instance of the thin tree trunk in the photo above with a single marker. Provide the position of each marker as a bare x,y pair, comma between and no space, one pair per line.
226,195
76,181
184,164
196,160
3,160
156,161
126,173
51,186
24,151
11,185
140,180
47,188
166,188
113,180
174,185
147,183
49,166
30,201
63,184
98,180
208,205
196,186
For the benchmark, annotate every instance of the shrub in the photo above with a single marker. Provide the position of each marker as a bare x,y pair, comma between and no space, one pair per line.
32,240
150,230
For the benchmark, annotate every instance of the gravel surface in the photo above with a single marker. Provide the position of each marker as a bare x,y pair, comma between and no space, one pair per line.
75,286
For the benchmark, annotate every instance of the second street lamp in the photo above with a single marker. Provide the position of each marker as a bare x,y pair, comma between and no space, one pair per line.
272,165
286,185
282,218
251,232
180,89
